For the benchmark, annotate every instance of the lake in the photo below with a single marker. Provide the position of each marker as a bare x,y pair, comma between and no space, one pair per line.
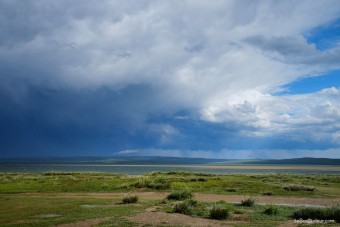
141,169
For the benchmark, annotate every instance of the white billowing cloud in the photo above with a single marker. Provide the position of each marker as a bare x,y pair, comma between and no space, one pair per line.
188,46
314,116
223,58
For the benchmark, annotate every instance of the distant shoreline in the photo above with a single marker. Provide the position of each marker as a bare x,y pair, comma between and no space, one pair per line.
255,167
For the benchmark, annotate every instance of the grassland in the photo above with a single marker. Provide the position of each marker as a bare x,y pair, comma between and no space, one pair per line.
57,198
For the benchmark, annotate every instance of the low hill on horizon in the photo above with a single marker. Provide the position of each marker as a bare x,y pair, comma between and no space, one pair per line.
155,160
296,161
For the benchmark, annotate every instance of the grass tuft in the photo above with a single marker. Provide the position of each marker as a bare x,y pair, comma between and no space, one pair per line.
248,202
219,213
271,210
130,199
231,189
180,195
184,207
297,187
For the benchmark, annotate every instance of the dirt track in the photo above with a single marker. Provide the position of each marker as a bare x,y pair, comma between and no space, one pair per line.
293,201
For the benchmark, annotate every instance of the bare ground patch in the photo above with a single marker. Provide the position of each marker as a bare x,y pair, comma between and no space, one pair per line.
86,223
199,196
289,223
161,218
269,200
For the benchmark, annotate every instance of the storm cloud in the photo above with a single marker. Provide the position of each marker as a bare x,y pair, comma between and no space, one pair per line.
96,78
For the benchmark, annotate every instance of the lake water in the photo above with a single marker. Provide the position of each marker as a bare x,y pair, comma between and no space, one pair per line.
138,170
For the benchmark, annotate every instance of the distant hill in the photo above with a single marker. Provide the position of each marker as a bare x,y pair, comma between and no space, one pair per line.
117,160
297,161
147,160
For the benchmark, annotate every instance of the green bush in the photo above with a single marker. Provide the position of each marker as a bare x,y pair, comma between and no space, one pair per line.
184,207
130,199
141,183
219,213
159,183
180,195
330,213
272,210
191,202
231,189
296,187
202,179
248,202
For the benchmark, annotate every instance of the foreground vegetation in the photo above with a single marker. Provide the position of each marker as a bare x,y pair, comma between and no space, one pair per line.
37,206
324,186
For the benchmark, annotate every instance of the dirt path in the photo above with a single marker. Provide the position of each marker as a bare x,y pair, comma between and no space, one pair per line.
161,218
292,201
86,223
270,200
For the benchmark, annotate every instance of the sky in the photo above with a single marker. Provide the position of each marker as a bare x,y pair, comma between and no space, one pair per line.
233,79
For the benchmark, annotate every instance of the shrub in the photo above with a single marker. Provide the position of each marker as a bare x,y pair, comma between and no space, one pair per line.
267,193
296,187
130,199
141,183
183,207
335,213
248,202
158,183
330,213
219,213
180,195
191,202
238,212
272,210
202,179
231,189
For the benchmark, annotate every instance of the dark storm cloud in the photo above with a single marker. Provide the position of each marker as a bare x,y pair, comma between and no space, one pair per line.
80,77
77,121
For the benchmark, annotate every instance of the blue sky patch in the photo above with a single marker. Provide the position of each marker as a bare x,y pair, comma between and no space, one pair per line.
312,84
325,36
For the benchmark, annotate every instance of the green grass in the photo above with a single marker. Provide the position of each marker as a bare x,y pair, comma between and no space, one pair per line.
51,211
326,186
45,210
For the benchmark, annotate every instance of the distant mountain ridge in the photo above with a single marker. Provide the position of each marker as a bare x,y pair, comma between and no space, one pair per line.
116,160
154,160
297,161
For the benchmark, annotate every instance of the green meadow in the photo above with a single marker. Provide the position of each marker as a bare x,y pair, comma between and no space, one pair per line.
96,199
